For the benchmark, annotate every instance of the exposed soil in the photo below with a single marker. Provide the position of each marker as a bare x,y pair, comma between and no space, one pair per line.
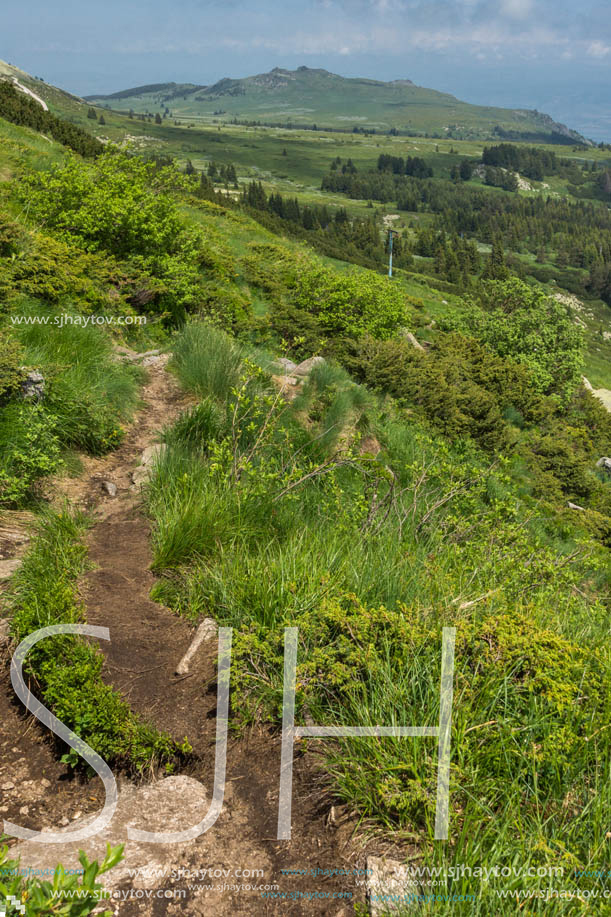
147,642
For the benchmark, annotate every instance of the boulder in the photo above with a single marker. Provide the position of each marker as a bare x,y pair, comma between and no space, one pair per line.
172,804
306,367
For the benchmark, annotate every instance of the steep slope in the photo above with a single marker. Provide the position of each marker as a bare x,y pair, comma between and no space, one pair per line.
57,100
314,96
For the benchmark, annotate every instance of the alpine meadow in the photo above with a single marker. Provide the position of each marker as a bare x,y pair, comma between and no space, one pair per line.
305,459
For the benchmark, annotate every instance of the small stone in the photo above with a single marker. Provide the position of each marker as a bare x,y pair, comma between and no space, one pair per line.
575,506
8,786
155,359
24,810
77,815
109,488
389,886
33,386
5,628
285,382
46,783
413,340
604,463
64,821
207,630
369,445
149,457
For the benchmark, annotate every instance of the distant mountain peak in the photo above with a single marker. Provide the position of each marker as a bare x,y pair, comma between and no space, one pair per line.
310,96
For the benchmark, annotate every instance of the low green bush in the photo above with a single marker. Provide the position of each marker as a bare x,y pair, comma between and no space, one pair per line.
70,895
30,449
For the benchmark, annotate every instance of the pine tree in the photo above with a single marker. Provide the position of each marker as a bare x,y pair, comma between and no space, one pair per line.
496,268
91,114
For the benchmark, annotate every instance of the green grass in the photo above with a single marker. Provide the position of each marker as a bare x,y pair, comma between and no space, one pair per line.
262,521
88,397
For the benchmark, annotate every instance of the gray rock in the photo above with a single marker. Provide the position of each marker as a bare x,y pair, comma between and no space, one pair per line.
33,386
413,340
575,506
109,488
206,631
390,887
604,463
150,456
172,804
306,367
5,628
287,366
8,567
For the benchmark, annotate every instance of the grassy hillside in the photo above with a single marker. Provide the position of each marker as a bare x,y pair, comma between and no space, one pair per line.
307,96
397,490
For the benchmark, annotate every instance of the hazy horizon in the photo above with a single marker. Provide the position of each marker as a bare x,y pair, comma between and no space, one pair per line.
512,53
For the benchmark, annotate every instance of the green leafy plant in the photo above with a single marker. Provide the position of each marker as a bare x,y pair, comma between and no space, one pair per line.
66,894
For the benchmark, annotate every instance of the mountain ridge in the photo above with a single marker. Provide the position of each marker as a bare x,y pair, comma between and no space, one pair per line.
315,96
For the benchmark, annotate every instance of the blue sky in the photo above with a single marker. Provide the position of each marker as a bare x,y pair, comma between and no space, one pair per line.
553,55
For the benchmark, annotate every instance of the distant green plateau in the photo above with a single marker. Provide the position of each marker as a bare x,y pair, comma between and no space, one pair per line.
311,96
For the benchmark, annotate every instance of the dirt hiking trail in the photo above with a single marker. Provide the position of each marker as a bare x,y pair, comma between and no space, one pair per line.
147,642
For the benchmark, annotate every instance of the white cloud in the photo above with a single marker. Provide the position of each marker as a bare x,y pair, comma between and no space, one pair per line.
517,9
598,49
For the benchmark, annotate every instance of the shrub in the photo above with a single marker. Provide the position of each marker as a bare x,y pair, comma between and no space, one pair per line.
526,325
29,449
350,304
11,371
459,386
112,205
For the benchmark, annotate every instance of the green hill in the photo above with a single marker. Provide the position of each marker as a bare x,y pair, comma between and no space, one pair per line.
313,96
